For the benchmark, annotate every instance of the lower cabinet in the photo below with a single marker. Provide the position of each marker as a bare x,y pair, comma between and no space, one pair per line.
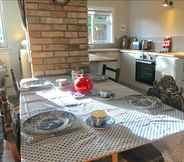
127,67
128,71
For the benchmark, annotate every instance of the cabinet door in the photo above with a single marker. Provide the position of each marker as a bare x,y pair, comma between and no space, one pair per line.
125,65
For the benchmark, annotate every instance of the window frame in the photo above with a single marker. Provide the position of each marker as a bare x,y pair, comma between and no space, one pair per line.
103,10
2,22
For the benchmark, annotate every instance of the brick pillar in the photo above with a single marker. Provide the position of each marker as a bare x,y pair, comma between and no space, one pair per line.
58,35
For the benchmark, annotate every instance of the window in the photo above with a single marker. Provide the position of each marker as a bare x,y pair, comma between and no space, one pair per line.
99,26
2,38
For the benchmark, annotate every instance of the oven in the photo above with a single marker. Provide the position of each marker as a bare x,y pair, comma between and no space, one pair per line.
145,71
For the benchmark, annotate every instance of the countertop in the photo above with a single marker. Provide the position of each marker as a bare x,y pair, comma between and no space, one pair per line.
102,57
103,50
179,55
107,55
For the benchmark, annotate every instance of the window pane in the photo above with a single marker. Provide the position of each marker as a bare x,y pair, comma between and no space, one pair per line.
90,29
100,32
99,26
1,32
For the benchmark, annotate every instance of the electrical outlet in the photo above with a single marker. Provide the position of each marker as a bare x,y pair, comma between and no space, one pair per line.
123,28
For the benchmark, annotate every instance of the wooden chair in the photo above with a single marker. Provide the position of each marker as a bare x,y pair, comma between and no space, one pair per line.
8,129
146,153
1,138
116,71
15,83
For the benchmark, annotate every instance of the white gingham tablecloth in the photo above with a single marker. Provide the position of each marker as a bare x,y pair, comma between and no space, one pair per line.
135,126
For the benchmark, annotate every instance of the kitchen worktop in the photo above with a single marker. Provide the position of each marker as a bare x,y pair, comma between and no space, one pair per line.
169,54
103,50
102,57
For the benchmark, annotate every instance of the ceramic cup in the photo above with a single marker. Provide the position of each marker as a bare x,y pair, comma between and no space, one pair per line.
62,82
105,94
99,117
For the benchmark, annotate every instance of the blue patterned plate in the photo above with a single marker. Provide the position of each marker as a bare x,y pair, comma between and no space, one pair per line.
48,122
109,122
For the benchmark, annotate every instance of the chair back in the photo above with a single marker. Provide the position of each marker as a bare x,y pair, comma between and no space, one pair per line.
116,71
15,83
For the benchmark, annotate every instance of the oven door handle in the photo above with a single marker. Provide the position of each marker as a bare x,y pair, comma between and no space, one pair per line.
145,61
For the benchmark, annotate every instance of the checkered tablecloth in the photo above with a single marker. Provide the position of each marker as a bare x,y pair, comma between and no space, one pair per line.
135,126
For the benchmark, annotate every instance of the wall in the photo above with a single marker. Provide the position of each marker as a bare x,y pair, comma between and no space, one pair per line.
58,36
148,19
120,15
14,34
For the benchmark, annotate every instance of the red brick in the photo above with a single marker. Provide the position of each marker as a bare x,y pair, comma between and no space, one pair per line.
83,34
54,47
48,7
58,35
38,13
57,14
39,27
61,53
77,59
82,21
78,53
59,27
32,19
41,54
34,34
56,72
48,20
37,61
52,34
78,41
54,60
71,34
36,47
31,6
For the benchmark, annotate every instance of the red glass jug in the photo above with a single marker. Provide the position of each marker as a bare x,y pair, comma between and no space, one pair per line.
83,84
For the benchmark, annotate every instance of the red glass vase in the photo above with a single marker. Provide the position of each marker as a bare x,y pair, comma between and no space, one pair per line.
83,84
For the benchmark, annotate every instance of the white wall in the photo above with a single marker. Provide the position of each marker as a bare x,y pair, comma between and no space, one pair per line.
14,34
148,19
120,11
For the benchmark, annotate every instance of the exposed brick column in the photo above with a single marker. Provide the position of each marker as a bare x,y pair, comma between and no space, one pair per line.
58,35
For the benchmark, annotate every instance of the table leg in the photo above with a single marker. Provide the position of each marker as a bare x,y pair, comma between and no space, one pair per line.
115,157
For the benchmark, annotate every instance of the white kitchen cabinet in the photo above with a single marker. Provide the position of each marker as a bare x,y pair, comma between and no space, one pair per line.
170,66
127,67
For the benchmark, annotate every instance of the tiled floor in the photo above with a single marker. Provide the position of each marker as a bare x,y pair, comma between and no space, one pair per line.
172,148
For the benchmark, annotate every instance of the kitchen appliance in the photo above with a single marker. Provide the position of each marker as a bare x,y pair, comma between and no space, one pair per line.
124,42
135,45
145,69
167,44
83,84
146,44
167,3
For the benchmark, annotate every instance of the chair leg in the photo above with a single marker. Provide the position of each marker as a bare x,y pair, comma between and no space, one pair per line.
115,157
103,69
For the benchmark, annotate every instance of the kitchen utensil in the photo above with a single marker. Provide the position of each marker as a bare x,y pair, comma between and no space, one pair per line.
146,44
83,84
48,122
107,123
124,42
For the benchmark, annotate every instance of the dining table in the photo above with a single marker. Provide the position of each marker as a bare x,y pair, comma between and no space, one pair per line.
137,123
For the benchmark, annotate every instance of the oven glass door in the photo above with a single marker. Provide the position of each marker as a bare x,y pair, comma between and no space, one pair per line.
145,71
